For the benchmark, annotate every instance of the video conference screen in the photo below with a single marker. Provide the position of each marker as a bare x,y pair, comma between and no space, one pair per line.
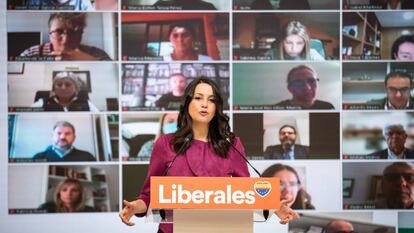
318,91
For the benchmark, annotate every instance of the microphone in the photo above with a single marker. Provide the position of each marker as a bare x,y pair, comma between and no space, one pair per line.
187,140
244,157
265,212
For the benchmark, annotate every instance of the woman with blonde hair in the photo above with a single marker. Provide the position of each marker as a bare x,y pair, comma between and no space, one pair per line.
296,44
69,197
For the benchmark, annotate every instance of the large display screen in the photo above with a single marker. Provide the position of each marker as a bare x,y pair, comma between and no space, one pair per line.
318,91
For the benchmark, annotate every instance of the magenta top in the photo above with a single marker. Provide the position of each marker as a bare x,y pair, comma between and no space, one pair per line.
199,160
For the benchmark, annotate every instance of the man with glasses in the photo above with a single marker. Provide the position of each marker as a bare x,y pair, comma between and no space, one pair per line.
397,187
395,137
302,83
398,89
65,35
339,226
287,149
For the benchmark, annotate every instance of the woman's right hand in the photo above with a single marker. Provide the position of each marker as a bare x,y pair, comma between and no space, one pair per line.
130,209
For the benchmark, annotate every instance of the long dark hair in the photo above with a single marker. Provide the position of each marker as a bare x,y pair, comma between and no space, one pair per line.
219,129
303,199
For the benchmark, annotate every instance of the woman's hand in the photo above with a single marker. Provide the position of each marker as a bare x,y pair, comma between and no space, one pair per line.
285,213
130,209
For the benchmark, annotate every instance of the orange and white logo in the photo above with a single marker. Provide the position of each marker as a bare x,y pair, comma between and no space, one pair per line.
214,193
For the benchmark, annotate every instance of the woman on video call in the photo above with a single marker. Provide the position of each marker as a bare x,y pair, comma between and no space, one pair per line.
69,197
295,44
201,142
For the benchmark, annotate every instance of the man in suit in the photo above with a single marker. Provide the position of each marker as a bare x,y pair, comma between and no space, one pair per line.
287,149
395,137
62,149
398,90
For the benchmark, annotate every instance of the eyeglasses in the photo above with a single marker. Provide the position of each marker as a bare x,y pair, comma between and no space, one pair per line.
284,185
394,90
300,84
58,33
397,133
394,177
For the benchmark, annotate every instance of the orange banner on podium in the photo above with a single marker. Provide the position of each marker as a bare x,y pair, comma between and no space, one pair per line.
214,193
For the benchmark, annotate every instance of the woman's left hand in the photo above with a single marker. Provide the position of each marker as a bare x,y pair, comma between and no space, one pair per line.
285,213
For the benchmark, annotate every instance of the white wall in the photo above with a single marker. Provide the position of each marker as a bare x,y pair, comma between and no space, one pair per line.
24,180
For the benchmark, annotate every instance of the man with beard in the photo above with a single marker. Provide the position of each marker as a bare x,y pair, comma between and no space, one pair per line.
287,149
395,137
62,149
397,187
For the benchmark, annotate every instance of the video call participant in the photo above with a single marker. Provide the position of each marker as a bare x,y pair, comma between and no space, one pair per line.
62,149
283,5
295,45
65,36
78,5
201,119
398,92
395,137
69,197
302,83
168,124
173,99
393,4
397,187
65,95
338,226
288,149
403,48
182,37
290,186
186,4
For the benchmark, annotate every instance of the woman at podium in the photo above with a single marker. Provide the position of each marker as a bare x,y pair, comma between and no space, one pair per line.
200,147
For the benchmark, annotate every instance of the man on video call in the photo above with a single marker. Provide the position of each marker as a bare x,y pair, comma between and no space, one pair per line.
338,225
65,36
62,149
186,4
287,149
302,83
398,92
395,137
172,100
397,187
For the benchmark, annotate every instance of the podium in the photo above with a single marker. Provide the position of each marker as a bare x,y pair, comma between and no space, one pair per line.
213,204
